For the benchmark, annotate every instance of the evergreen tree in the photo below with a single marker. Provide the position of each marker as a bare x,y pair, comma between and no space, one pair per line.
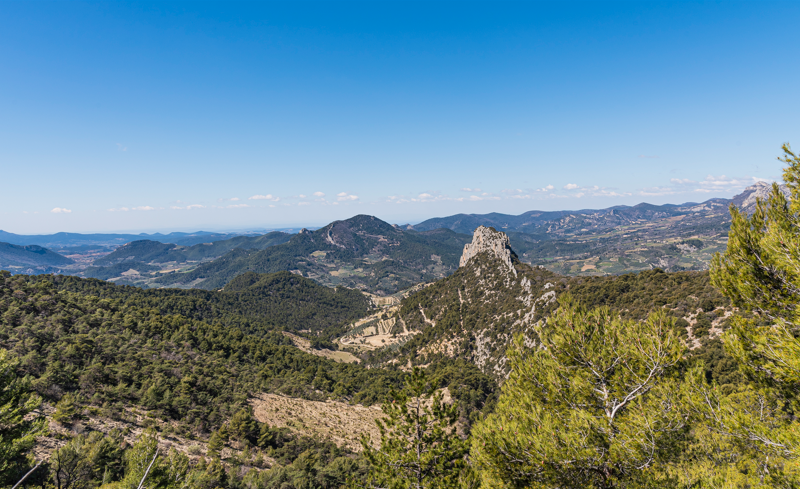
420,448
594,403
760,273
18,429
66,409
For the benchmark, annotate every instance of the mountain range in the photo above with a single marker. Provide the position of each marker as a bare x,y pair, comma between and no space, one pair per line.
369,254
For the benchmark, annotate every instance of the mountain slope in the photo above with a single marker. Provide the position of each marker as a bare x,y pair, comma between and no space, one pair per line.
361,252
30,259
256,303
475,313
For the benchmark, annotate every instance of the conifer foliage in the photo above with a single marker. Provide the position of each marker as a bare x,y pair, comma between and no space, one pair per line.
760,273
19,427
420,448
594,403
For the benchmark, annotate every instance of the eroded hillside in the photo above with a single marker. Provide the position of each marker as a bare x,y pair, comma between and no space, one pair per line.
475,313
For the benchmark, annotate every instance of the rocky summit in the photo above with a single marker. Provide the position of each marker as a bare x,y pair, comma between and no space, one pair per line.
490,241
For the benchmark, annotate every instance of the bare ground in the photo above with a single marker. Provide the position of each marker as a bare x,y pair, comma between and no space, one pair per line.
342,423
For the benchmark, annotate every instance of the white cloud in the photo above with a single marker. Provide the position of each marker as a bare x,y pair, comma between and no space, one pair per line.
265,197
304,203
188,207
711,184
319,194
344,196
467,189
237,206
144,208
302,196
570,186
60,210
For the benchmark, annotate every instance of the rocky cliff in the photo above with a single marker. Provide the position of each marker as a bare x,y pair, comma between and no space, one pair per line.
488,240
746,200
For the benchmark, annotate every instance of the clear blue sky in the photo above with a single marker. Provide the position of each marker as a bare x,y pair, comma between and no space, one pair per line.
157,116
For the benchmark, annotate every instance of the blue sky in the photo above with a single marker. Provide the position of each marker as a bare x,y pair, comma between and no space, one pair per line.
138,116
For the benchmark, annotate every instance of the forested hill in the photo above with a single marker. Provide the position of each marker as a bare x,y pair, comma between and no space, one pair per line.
30,259
361,252
119,350
113,346
257,304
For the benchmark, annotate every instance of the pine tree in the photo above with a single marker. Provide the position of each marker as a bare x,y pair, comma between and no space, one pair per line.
66,409
594,403
420,448
760,273
18,429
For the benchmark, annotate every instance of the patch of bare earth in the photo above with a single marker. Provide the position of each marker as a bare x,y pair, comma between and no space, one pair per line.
337,356
341,423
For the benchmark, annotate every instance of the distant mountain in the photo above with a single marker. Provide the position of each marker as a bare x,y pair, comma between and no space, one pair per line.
618,239
362,252
561,223
555,224
61,240
149,251
140,262
30,259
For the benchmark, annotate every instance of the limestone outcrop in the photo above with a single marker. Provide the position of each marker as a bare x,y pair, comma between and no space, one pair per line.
490,241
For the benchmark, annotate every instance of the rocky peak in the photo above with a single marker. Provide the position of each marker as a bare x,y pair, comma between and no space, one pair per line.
746,201
489,240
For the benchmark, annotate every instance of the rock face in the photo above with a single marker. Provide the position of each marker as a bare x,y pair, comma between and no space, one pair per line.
490,241
746,201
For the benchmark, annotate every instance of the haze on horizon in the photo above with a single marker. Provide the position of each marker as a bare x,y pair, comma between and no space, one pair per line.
137,116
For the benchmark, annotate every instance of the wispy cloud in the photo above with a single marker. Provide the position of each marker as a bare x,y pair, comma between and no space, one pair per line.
237,206
265,197
319,194
711,184
60,210
467,189
344,197
188,207
122,147
571,186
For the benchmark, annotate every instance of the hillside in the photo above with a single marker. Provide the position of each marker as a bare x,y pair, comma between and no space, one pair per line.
361,252
31,259
128,361
257,304
474,313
